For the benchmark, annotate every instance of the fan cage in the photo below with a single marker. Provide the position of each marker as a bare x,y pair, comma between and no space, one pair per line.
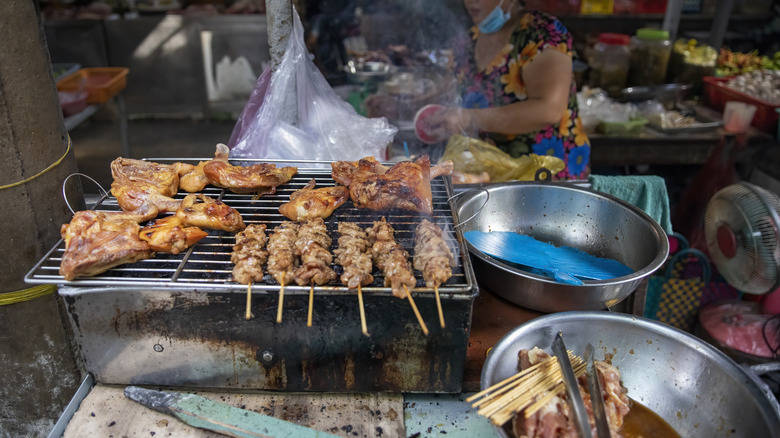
752,214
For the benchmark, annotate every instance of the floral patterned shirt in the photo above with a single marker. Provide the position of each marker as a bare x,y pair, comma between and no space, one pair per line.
501,83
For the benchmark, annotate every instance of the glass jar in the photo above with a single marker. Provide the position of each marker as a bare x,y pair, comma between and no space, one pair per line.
650,49
690,62
610,62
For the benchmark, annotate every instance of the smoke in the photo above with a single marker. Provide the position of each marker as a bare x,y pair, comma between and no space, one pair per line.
417,24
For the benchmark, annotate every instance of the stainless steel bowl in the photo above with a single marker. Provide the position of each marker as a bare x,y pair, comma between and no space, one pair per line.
562,214
697,389
368,72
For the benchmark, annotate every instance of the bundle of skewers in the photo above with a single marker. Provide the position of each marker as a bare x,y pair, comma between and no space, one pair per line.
527,391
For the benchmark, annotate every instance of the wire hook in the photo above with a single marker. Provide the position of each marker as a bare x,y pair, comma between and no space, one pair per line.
65,197
487,198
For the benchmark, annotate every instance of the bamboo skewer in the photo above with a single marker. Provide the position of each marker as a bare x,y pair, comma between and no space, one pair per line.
281,304
362,311
438,306
311,305
528,390
416,312
249,314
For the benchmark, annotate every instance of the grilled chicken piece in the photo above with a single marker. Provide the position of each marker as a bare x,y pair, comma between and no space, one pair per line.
260,178
249,254
206,212
354,255
344,172
391,258
432,256
312,246
281,250
145,188
98,241
192,179
170,235
308,202
407,186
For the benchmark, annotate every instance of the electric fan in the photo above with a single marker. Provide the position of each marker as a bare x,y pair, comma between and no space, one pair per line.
742,231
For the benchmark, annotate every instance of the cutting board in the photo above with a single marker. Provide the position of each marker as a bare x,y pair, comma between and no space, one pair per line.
105,411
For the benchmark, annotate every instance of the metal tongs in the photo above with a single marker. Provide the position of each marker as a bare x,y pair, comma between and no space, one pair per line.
573,390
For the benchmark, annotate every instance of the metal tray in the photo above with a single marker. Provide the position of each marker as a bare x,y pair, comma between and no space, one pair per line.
701,124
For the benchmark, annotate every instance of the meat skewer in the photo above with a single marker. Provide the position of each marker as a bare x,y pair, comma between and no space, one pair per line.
393,260
354,255
312,247
249,256
433,258
282,261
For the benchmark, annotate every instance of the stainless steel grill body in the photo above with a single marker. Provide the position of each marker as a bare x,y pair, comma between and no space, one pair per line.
179,319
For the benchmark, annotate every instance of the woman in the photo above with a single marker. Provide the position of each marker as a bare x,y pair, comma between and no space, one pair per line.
517,87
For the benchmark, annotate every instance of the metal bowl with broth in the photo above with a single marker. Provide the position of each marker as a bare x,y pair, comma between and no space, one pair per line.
692,386
562,214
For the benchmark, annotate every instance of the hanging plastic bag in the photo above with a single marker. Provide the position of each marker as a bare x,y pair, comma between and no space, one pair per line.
325,126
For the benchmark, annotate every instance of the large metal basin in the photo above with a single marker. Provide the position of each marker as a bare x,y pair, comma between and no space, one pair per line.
697,389
562,214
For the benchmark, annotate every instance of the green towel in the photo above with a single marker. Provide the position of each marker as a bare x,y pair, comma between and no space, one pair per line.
647,192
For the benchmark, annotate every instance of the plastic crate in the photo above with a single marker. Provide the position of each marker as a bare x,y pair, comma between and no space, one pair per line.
100,83
716,94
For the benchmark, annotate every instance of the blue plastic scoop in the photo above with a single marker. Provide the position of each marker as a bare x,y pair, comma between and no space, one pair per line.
563,263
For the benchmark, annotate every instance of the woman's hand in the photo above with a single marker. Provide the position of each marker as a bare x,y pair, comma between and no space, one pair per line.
442,124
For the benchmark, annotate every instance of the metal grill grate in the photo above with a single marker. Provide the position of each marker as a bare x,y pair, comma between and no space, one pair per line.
207,264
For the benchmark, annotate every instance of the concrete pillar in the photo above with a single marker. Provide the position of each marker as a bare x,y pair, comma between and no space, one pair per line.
38,371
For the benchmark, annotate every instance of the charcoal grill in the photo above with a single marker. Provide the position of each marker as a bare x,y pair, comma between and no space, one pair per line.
179,320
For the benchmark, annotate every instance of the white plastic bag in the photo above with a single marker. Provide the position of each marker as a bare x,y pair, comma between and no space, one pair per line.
325,127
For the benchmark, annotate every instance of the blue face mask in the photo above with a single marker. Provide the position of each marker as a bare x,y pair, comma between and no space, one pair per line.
495,20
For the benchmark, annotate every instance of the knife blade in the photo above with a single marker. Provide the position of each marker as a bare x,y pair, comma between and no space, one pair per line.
596,400
572,389
219,417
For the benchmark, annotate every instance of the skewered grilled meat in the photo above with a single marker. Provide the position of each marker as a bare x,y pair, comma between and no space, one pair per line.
354,255
308,202
260,178
432,256
345,171
97,241
145,188
281,250
390,257
249,254
312,246
407,186
205,212
170,235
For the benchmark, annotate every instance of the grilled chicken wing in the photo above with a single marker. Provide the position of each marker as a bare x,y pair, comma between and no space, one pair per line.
192,178
205,212
344,172
145,188
308,202
170,235
260,178
98,241
406,185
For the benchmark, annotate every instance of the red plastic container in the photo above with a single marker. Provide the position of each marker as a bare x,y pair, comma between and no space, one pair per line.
100,83
716,94
72,102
